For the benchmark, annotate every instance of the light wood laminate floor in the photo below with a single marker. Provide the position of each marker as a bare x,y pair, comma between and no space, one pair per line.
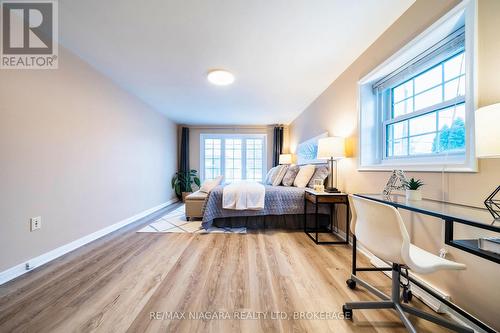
115,283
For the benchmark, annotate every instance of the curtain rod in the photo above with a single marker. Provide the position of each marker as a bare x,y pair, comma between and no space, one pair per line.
230,127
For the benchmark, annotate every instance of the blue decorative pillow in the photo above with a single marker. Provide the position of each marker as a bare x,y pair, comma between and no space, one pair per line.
269,177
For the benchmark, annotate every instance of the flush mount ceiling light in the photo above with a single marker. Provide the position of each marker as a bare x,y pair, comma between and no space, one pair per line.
220,77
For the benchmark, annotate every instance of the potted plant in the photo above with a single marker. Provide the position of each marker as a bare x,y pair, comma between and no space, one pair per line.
182,183
413,189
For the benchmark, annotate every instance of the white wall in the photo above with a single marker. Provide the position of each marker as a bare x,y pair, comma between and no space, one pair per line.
78,151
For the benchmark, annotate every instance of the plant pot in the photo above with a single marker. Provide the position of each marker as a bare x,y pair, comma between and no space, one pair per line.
184,195
413,195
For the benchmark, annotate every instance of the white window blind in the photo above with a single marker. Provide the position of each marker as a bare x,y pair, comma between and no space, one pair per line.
452,44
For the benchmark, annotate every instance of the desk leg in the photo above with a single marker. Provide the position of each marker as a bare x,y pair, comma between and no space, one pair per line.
353,255
317,221
448,231
305,215
347,221
331,217
351,282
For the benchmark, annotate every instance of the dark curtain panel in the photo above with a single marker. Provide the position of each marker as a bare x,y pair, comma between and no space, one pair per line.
277,144
184,158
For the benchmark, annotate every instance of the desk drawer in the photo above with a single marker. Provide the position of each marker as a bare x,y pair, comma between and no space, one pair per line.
341,198
332,199
310,197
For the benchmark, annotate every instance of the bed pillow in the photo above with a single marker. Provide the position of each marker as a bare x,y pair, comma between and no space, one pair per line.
208,185
279,174
320,174
290,175
304,175
269,176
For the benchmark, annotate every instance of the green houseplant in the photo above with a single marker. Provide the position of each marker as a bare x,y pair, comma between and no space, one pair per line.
413,189
182,183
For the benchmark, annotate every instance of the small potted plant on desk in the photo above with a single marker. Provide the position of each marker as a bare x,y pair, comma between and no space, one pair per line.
413,189
182,183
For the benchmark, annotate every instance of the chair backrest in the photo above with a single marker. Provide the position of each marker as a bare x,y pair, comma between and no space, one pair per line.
380,229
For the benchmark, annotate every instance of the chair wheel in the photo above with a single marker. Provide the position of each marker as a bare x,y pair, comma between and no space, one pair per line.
347,312
351,283
407,295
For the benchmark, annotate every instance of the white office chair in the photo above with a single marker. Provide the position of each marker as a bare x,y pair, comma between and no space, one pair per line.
380,228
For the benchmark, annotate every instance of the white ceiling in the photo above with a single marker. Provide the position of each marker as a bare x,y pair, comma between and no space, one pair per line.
284,53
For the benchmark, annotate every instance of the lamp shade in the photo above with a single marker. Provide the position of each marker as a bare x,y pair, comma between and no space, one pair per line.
285,159
331,147
487,131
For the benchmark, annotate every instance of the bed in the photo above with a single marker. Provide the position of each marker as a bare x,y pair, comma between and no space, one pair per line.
283,208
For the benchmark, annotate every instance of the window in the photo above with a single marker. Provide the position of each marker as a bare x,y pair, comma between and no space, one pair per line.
417,108
237,157
254,159
427,114
233,160
212,158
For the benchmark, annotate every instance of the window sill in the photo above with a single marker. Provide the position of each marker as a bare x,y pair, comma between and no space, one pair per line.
420,168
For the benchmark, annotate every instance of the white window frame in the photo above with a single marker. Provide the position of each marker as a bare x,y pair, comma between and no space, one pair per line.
434,108
243,137
389,119
371,143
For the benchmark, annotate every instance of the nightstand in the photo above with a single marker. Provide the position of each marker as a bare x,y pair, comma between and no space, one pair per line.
330,199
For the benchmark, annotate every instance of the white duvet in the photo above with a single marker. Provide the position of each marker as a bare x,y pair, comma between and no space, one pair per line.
243,195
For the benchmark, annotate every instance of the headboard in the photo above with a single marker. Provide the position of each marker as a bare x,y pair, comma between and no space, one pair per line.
307,151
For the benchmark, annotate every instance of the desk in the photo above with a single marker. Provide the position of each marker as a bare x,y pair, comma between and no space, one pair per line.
450,214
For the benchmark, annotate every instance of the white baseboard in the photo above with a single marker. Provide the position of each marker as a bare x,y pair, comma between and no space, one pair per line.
20,269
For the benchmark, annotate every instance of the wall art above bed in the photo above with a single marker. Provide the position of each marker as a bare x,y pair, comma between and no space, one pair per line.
307,151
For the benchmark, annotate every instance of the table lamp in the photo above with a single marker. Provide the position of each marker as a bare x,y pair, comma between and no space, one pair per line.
331,149
488,146
285,159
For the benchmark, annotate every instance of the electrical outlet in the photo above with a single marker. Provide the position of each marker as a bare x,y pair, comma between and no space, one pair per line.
35,223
